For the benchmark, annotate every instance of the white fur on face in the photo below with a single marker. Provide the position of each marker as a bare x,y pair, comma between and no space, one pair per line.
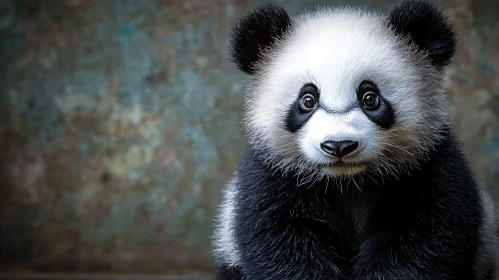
352,126
224,240
336,50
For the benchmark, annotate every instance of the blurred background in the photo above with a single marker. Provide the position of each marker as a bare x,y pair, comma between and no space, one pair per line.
120,122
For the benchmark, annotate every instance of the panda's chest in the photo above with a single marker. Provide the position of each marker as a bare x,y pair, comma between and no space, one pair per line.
338,223
343,212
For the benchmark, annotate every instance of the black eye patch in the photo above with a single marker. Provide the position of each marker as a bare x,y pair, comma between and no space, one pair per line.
382,112
296,117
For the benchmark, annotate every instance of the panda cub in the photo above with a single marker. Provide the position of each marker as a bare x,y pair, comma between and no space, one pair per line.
352,170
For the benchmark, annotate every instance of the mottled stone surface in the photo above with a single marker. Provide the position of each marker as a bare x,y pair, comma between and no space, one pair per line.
120,121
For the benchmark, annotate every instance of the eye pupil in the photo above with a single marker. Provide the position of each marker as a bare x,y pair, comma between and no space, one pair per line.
370,100
307,103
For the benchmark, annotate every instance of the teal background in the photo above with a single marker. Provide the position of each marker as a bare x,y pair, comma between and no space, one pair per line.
120,121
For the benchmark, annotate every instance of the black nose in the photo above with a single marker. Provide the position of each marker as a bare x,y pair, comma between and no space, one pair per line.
339,148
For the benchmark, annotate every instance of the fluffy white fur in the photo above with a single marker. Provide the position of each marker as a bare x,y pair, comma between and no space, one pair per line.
352,126
225,245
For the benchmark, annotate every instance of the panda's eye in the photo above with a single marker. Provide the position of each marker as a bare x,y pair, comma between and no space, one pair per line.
307,102
370,100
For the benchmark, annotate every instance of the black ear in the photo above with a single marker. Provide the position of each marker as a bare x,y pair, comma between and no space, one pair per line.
256,32
427,27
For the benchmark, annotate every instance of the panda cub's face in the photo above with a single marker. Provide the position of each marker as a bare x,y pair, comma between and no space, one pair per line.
342,92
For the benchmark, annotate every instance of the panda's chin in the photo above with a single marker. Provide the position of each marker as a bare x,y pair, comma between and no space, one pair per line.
343,169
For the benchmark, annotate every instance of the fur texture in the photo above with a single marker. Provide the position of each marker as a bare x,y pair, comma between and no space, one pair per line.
226,246
349,46
420,226
427,28
256,32
403,205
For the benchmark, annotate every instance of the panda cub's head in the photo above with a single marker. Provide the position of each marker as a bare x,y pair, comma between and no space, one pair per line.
342,92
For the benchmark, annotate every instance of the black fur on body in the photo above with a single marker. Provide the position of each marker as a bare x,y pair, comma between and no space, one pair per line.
420,226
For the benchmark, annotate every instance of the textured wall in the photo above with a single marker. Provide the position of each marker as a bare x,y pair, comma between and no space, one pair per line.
120,122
